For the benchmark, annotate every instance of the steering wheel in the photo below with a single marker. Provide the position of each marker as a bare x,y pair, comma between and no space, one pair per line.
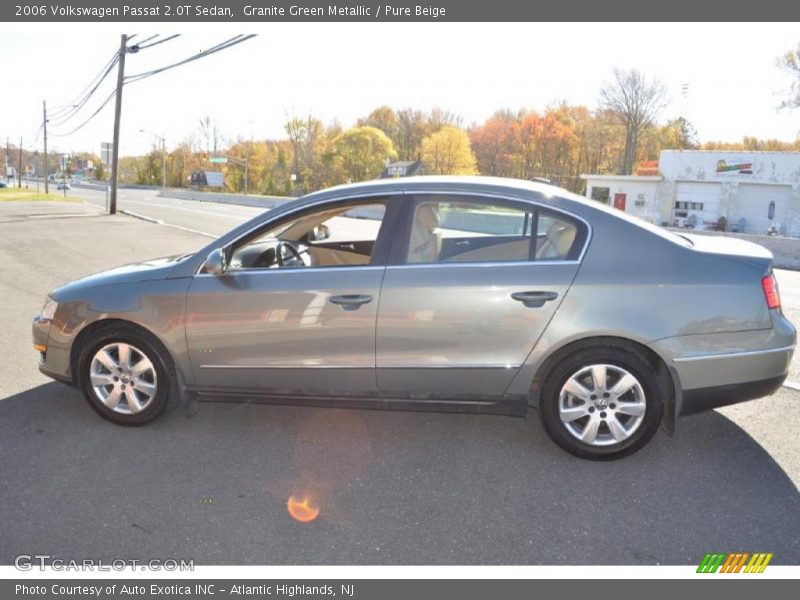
293,260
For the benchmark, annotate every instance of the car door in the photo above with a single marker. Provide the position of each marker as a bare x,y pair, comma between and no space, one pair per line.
471,285
296,330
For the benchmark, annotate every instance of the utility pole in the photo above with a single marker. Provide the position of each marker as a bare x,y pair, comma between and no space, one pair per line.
164,165
246,161
8,160
19,171
112,208
46,169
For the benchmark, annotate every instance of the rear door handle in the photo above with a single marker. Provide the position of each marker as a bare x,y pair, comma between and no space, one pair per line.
534,299
351,301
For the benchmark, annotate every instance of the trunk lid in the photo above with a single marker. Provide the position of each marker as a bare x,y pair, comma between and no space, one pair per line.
730,246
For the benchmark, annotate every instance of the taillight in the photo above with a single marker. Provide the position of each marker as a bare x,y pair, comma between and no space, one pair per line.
770,287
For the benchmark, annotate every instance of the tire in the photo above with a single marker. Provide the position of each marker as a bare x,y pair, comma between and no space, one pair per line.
597,422
130,396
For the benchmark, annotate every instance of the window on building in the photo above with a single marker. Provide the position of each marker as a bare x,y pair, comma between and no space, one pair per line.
601,194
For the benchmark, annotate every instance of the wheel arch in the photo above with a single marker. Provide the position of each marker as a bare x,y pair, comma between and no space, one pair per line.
85,335
666,376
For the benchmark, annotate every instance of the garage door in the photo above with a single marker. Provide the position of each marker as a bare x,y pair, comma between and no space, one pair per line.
753,202
699,199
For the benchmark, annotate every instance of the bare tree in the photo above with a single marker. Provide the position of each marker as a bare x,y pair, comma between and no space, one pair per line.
636,102
209,130
790,62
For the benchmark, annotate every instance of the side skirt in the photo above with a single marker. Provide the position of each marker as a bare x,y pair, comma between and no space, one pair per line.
504,406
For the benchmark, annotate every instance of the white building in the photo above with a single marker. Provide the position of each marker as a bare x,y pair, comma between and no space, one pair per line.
752,190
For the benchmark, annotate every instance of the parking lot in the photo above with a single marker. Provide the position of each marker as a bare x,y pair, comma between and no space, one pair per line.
211,481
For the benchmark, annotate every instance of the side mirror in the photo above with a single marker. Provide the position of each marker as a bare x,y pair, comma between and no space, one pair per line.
319,233
216,263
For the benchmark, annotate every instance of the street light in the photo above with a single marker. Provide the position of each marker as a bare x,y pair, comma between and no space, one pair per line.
163,157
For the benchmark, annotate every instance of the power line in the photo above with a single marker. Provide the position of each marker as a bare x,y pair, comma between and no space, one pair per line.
76,108
59,113
139,76
145,40
172,37
222,46
92,116
37,134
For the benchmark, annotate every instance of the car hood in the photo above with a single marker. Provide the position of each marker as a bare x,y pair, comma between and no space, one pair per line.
148,270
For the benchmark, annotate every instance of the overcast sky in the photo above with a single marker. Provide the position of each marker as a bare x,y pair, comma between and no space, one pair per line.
342,71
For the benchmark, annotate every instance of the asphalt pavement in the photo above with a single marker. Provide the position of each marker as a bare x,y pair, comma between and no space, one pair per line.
208,218
211,481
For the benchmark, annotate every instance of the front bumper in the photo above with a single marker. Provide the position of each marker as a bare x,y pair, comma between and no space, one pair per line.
54,360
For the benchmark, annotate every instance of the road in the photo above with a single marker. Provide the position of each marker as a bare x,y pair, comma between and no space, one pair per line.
211,481
210,218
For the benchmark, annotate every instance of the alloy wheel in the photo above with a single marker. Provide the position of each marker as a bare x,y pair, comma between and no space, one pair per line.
602,404
123,378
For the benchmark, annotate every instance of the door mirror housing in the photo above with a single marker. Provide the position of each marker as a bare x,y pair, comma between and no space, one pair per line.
216,262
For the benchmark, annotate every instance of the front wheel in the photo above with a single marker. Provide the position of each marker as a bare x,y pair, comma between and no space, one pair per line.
126,376
602,403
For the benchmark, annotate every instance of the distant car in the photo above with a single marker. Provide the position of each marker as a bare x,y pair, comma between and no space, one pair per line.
63,186
461,294
3,184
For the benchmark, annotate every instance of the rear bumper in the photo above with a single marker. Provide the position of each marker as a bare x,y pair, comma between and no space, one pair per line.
719,369
702,399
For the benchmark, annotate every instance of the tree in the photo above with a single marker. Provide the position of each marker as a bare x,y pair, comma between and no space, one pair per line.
362,152
678,134
385,119
636,102
209,130
496,143
448,152
310,142
411,129
790,62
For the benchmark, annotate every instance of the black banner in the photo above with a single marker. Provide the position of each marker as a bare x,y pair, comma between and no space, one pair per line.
264,11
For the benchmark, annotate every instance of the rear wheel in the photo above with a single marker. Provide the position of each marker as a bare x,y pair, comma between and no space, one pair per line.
602,403
126,375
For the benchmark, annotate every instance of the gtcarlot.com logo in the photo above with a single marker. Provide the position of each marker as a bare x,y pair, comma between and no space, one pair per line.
28,562
735,562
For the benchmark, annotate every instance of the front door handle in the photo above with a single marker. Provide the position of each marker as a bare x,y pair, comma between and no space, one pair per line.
534,299
351,301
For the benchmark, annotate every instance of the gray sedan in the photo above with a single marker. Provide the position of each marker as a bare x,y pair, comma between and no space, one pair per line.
459,294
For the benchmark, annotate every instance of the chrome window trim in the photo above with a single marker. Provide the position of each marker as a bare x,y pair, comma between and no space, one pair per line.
503,366
295,270
499,263
424,191
287,366
746,353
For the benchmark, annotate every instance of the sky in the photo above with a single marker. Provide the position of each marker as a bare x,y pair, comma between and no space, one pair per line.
340,72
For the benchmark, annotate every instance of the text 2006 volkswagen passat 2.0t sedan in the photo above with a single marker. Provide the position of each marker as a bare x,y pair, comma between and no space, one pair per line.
463,294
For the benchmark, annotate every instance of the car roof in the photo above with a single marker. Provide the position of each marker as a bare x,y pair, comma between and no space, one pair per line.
395,184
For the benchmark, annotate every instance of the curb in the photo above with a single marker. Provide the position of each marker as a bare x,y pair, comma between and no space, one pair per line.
136,215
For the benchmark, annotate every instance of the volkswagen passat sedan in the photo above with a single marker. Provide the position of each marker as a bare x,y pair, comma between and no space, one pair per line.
464,294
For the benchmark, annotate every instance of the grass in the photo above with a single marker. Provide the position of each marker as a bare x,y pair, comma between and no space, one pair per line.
31,195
